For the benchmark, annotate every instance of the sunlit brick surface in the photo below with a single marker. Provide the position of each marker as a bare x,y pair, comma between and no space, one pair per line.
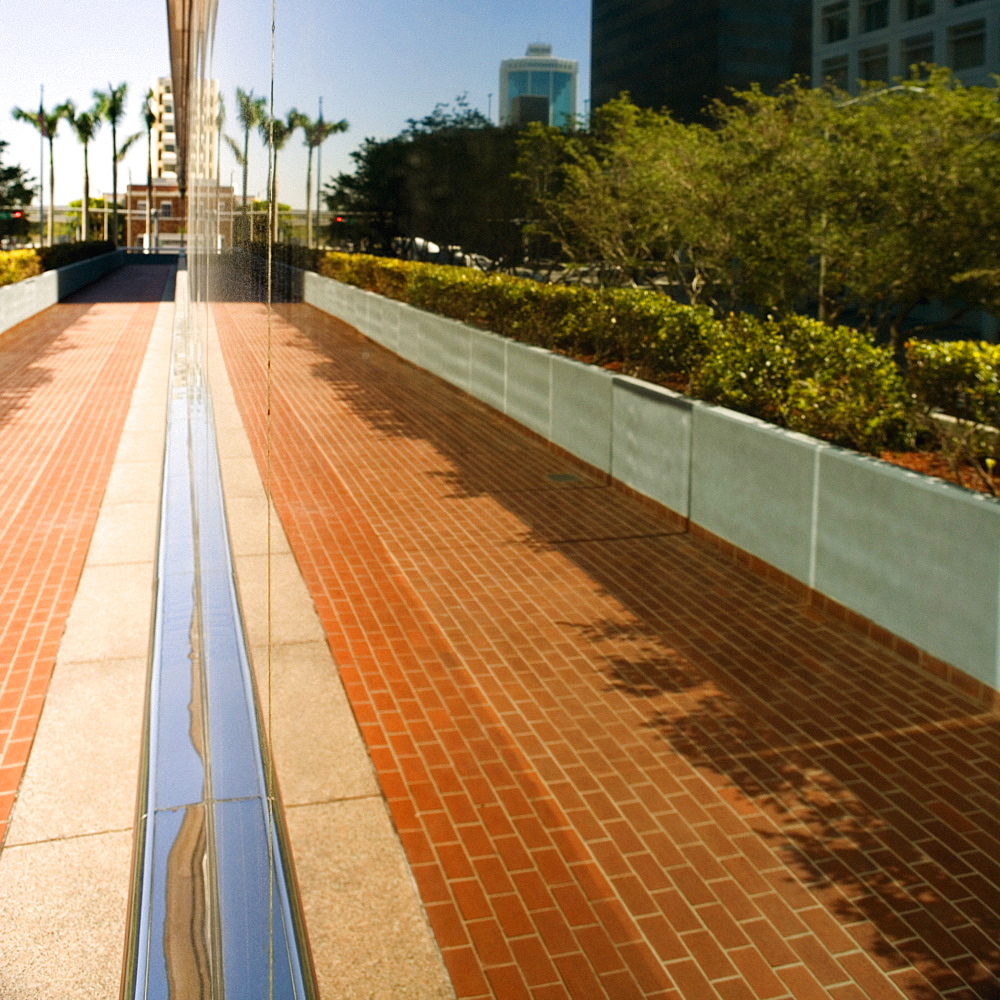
66,379
620,765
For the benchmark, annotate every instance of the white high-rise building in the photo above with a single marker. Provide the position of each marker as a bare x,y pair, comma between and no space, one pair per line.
164,136
202,158
538,87
878,40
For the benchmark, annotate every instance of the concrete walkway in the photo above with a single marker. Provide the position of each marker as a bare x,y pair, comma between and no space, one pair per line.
560,749
65,864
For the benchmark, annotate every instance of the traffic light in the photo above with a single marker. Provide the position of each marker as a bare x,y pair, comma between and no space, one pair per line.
11,213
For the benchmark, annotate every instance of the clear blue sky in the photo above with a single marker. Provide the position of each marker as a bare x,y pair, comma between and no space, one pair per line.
373,62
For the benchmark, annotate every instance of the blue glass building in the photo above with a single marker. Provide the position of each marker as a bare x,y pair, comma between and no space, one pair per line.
538,87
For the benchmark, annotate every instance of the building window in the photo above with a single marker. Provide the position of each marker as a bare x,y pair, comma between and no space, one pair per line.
918,8
835,72
918,50
835,22
874,14
166,209
141,205
873,64
967,45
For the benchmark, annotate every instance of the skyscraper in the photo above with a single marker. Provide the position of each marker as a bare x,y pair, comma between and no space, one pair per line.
680,54
538,87
875,40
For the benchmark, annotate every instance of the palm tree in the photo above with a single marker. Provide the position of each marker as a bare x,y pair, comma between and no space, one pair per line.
276,132
111,108
47,123
149,119
317,133
251,113
85,125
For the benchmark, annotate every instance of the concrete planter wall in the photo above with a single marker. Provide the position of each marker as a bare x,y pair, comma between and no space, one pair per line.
23,299
917,556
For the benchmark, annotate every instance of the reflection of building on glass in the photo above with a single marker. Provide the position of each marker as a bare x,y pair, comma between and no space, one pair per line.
538,88
167,224
164,136
202,161
878,40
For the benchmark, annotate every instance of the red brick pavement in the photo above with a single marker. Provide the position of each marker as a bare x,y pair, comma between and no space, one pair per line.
620,765
66,379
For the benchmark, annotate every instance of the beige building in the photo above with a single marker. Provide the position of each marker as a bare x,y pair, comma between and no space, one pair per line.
203,158
167,214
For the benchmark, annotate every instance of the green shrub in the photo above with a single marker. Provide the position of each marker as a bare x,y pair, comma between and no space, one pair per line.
657,336
847,390
961,378
16,265
828,382
748,367
64,254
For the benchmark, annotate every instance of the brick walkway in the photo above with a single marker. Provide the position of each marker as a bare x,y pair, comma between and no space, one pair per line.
66,379
620,765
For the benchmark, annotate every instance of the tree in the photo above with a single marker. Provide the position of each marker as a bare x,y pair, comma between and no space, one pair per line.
110,107
85,125
316,133
445,178
15,192
47,123
870,208
149,120
276,132
251,111
925,220
614,198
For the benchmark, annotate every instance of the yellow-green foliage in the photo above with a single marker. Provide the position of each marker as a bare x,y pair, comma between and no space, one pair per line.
644,333
16,265
961,378
830,382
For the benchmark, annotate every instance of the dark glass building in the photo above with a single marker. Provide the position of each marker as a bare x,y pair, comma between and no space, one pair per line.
680,54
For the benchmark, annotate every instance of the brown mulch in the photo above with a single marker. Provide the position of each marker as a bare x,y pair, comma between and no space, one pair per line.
934,464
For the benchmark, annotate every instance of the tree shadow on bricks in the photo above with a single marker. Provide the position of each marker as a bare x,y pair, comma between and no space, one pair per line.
866,824
23,350
875,787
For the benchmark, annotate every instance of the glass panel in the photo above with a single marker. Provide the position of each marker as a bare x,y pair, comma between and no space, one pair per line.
919,8
835,72
874,14
967,45
541,84
918,50
518,84
835,22
562,93
874,64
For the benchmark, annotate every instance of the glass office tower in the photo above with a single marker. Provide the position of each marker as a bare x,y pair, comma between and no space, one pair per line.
538,77
680,54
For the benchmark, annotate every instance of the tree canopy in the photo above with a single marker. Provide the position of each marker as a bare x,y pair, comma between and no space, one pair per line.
445,178
16,191
804,200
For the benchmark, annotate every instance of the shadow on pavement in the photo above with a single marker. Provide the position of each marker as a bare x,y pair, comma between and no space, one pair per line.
879,789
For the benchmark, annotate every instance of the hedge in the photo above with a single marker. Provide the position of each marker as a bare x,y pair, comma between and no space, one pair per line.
16,265
830,382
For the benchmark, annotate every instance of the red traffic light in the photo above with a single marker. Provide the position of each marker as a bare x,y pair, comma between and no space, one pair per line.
339,218
17,214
